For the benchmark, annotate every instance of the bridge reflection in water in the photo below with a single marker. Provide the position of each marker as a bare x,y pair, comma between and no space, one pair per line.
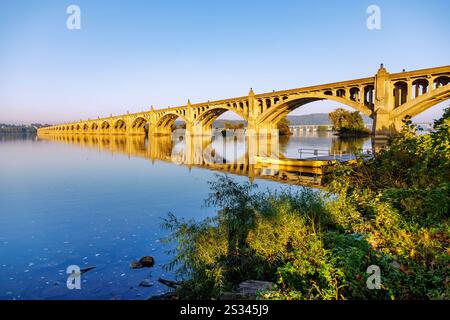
235,154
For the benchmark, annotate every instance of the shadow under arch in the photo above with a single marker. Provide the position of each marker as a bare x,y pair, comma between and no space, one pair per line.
138,125
120,126
105,126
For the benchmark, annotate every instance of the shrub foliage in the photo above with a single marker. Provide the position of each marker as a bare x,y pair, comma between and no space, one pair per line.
391,211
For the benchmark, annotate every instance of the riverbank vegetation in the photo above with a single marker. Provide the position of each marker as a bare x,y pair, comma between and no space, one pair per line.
283,127
391,211
20,129
347,123
233,126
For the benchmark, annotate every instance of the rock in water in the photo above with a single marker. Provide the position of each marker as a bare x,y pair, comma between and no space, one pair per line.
147,261
145,283
135,264
144,262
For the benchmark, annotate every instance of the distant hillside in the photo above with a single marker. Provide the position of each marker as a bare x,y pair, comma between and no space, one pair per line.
22,129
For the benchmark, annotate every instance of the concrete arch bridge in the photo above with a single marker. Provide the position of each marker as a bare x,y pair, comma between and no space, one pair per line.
386,98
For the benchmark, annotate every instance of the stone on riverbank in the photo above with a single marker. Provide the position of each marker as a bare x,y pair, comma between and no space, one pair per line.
247,290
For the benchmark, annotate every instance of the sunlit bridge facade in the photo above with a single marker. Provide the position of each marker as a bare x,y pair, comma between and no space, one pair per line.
386,98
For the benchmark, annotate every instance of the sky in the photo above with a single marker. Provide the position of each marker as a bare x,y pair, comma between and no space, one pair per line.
129,55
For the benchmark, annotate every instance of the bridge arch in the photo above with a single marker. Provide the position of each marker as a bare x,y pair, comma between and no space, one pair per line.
165,121
207,117
120,126
400,93
354,94
138,125
424,102
274,115
105,126
94,126
420,87
441,81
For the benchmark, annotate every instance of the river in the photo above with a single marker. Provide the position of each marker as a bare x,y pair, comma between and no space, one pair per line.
100,200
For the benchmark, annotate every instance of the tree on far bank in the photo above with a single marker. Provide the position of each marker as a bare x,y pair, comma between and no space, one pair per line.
283,127
346,122
232,126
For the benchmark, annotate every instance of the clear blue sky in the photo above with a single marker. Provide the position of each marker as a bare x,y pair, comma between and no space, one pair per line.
129,55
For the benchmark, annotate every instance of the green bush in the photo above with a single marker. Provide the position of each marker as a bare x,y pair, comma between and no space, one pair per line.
391,211
347,123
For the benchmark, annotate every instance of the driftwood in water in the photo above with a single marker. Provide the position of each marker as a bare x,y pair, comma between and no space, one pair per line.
169,283
84,270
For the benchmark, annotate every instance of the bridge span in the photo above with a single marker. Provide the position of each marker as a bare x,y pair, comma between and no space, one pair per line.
385,98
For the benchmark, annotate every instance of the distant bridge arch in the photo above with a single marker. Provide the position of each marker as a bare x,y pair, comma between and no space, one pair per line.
94,126
105,126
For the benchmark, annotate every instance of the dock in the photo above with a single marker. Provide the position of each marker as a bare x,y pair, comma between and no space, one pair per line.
311,164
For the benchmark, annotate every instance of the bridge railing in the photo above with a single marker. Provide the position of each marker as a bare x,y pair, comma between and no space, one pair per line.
332,155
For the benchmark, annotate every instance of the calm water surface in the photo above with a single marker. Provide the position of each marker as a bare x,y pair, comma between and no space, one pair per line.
93,201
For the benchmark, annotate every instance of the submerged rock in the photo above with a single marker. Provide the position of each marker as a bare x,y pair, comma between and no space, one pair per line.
147,261
135,264
144,262
145,283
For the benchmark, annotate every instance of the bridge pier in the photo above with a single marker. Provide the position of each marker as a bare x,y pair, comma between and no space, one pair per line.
199,129
385,124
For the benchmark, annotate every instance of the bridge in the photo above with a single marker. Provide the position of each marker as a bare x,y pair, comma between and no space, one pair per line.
310,127
386,98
